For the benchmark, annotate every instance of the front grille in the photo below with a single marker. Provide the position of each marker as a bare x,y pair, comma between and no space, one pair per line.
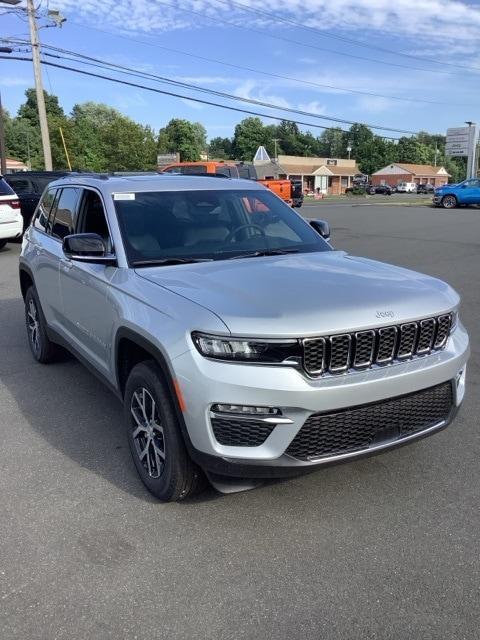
240,432
360,350
358,428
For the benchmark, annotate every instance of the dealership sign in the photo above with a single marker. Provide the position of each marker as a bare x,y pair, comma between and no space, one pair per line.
460,141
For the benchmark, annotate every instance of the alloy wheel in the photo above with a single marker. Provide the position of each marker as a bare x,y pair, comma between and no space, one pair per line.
449,202
33,326
148,435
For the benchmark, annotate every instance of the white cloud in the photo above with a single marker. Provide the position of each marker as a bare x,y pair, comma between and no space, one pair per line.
129,100
203,80
16,82
439,21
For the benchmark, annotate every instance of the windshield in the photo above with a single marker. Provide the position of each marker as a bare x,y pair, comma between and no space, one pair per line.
212,225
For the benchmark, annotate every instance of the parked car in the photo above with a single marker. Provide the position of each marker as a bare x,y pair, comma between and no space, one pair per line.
11,223
384,189
425,188
359,189
451,195
29,186
407,187
241,344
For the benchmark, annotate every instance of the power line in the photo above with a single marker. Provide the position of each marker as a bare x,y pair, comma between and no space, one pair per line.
274,75
192,87
304,44
326,34
177,95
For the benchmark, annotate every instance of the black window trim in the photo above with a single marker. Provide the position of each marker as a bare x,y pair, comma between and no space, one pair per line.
36,214
51,219
80,212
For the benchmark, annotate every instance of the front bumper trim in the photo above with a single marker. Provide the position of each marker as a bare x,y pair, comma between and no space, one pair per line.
286,466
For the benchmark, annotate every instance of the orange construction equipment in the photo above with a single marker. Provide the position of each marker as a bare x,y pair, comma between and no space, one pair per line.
283,188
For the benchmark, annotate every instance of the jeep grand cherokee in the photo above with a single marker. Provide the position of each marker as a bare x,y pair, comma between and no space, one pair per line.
241,344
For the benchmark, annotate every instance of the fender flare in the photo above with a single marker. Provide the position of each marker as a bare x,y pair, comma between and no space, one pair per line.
160,359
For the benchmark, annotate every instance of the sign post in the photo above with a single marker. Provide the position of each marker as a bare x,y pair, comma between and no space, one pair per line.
461,142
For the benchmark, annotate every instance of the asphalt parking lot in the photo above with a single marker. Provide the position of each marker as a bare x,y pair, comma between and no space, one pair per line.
387,547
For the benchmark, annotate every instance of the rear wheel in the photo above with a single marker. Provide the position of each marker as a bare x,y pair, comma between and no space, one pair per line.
449,202
154,436
2,243
43,349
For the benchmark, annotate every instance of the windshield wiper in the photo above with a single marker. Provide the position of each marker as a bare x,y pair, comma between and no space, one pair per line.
167,261
264,252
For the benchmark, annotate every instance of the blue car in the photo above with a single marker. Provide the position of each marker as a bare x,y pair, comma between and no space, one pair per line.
452,195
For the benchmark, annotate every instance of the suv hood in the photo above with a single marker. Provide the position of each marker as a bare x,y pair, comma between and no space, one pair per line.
306,294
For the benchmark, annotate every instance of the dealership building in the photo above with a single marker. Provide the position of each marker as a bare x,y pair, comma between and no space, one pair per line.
398,172
318,175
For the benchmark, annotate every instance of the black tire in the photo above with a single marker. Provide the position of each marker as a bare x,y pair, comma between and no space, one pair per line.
449,201
2,244
43,349
165,467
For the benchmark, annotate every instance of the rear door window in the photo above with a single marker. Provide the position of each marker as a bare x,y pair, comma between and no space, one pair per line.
64,220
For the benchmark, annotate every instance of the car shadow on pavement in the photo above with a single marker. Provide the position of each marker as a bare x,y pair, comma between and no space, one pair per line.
68,407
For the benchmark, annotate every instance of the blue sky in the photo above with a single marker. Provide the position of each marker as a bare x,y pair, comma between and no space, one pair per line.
133,32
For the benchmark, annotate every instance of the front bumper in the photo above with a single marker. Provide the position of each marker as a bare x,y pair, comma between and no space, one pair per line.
12,228
205,382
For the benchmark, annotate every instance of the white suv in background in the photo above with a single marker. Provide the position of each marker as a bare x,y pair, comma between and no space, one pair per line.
11,221
407,187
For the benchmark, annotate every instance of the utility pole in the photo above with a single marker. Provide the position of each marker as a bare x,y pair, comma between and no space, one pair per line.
3,156
472,144
37,72
275,140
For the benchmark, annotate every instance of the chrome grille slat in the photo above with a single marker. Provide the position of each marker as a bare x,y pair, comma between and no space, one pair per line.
387,341
408,339
444,324
364,349
340,353
337,354
426,336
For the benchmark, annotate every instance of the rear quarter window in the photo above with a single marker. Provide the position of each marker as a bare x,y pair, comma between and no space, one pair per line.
21,185
44,208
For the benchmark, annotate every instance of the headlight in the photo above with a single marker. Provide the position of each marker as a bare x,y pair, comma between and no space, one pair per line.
248,350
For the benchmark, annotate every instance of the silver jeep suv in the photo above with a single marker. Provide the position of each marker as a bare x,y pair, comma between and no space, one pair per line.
242,345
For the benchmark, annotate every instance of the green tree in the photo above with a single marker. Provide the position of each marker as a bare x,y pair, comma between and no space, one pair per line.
332,143
56,120
184,137
414,151
220,148
250,134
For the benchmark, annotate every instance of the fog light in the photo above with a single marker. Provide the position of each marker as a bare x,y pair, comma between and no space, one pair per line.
245,410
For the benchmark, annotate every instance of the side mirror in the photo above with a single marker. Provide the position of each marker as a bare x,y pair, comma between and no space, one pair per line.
87,247
321,227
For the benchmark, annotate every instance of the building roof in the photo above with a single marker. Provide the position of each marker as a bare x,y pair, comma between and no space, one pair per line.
328,170
16,165
421,170
314,161
319,169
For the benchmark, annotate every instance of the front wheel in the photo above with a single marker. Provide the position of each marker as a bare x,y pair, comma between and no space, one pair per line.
43,349
154,436
449,202
2,243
